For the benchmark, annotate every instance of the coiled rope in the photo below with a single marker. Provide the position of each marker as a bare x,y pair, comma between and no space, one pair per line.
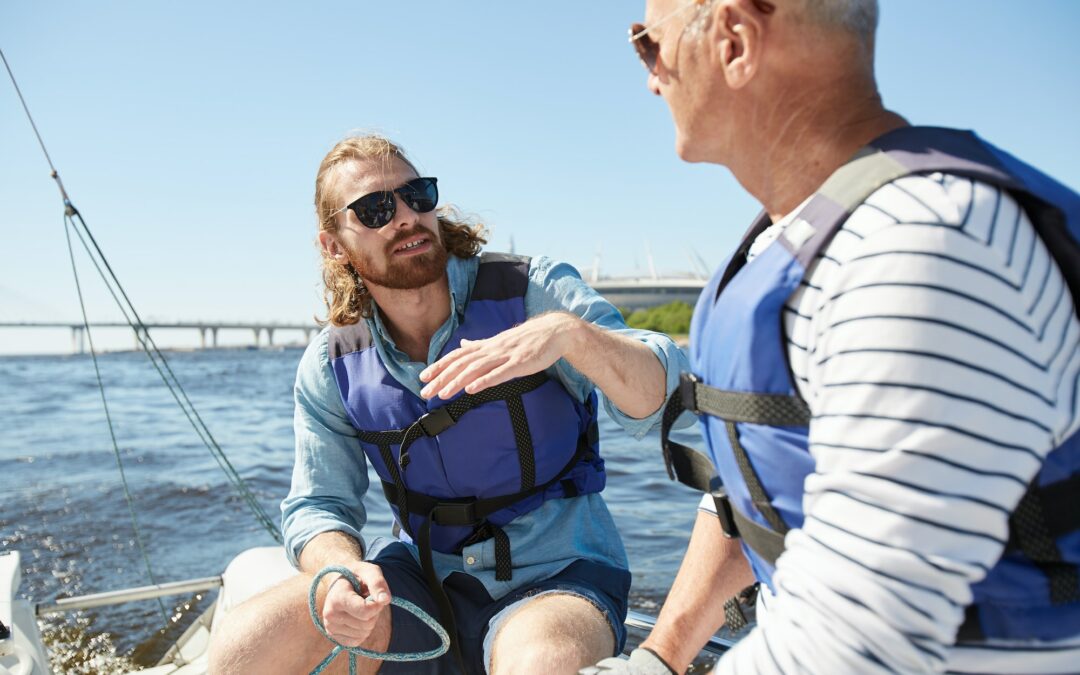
367,653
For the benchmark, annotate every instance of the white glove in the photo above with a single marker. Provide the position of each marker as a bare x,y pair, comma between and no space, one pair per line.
642,661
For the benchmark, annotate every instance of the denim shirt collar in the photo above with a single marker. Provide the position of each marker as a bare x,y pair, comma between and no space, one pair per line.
461,277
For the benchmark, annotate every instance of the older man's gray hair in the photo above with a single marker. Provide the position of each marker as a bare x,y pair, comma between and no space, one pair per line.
859,17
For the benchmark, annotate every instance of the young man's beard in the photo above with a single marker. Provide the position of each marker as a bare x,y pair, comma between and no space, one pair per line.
406,272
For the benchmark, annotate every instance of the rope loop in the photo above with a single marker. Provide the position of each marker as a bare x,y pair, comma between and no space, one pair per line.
367,653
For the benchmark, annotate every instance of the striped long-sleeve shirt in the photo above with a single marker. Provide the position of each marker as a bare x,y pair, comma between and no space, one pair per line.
938,348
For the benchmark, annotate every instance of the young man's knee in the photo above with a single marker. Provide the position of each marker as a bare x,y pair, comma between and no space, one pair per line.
554,633
248,637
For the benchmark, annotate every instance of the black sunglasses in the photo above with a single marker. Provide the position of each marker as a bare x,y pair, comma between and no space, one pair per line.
377,208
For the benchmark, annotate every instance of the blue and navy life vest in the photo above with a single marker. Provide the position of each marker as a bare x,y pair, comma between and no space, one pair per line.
756,425
455,472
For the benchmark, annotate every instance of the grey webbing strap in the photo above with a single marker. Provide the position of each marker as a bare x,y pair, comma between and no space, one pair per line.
776,410
691,467
734,618
670,448
758,495
870,169
767,543
734,407
738,606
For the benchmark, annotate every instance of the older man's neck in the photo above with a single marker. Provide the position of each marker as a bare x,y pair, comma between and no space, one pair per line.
811,137
413,316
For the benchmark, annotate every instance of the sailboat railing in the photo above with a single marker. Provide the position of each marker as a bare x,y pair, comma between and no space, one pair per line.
129,595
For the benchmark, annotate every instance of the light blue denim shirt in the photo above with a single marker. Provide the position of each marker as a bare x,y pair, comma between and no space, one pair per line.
330,477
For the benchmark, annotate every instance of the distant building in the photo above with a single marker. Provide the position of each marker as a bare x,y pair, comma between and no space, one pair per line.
632,293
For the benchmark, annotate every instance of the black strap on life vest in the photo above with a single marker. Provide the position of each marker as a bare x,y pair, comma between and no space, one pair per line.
692,468
740,610
470,511
1043,515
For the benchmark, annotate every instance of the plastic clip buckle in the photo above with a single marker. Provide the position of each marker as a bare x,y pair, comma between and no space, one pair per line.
724,513
436,421
687,394
449,513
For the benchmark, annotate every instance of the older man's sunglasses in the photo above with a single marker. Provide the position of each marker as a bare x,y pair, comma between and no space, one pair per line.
647,48
377,208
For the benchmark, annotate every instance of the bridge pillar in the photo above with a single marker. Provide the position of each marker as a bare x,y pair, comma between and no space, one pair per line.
307,336
77,340
202,337
258,334
213,335
269,336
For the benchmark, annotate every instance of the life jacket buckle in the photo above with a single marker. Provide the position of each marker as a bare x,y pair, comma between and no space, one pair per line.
461,514
436,421
723,512
687,392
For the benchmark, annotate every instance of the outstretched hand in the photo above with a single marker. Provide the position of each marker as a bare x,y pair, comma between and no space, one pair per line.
522,350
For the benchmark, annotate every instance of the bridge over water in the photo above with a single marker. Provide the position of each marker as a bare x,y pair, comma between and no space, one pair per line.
205,329
625,293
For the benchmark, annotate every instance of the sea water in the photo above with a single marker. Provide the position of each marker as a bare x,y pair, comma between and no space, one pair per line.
62,501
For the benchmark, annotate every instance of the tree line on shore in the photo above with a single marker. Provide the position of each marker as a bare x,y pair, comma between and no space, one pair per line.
672,318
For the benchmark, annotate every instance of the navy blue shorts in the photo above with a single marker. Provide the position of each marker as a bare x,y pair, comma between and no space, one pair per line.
604,586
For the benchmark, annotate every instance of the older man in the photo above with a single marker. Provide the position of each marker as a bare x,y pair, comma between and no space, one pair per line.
887,367
467,381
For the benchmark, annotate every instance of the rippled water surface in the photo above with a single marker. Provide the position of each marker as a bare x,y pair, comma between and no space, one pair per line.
62,504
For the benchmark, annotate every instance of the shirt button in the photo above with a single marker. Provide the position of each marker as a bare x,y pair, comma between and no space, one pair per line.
470,560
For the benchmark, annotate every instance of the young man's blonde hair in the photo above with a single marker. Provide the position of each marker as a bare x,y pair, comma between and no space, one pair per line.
346,297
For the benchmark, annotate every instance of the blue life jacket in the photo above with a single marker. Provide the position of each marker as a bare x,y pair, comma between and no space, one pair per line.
756,425
454,472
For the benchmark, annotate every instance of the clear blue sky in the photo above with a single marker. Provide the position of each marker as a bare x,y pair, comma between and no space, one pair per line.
189,133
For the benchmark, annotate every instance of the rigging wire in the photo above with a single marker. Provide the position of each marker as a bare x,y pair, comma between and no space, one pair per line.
108,418
172,383
142,333
27,109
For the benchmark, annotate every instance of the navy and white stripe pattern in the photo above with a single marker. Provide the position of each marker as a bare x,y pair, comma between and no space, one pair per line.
938,348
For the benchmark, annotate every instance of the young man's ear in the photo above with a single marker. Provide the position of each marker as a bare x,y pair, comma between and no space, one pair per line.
330,245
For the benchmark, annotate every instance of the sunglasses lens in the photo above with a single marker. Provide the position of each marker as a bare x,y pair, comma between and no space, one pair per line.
421,194
647,50
374,210
377,209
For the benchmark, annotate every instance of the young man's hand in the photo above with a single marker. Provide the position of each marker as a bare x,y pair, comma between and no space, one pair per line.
350,617
522,350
